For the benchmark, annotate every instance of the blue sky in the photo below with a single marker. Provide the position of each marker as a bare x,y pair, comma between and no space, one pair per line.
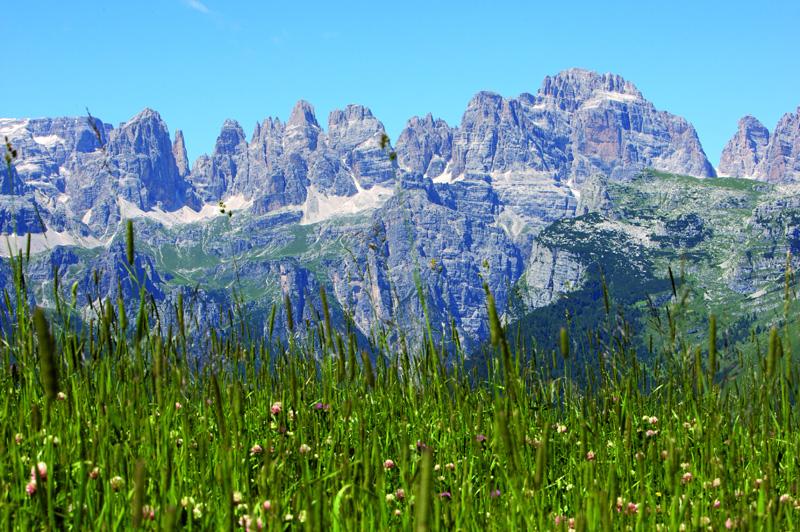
200,61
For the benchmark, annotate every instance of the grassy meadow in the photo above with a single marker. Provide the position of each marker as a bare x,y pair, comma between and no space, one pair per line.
114,425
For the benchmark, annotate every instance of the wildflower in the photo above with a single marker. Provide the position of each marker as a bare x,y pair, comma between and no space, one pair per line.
197,512
664,455
590,456
437,467
30,488
148,512
398,512
716,483
450,467
388,464
785,498
421,446
267,505
650,433
400,494
178,406
117,483
729,523
561,429
94,473
61,396
237,498
324,407
757,483
495,494
276,409
480,438
390,497
42,468
304,449
445,495
639,456
571,523
559,519
705,520
259,524
653,420
245,521
302,516
256,449
633,508
18,438
686,478
716,504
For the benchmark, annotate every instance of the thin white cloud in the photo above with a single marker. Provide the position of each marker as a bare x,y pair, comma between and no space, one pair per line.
197,5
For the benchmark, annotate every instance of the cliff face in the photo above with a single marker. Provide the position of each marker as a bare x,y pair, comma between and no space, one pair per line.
580,123
314,207
743,153
754,152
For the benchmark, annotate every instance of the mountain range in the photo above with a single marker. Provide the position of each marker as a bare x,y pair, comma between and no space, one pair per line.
535,196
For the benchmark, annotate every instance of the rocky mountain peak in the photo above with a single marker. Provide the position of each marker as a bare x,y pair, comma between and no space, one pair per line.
782,159
571,88
355,135
143,131
425,146
146,114
754,152
303,115
271,127
142,152
486,101
351,113
231,136
302,129
352,126
746,149
179,152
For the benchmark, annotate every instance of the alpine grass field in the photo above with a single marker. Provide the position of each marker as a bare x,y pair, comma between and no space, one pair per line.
115,424
348,266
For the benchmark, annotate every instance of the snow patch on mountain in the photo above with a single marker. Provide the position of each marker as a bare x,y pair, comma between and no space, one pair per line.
512,223
28,167
184,215
48,140
600,97
12,244
10,127
575,191
446,177
319,207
